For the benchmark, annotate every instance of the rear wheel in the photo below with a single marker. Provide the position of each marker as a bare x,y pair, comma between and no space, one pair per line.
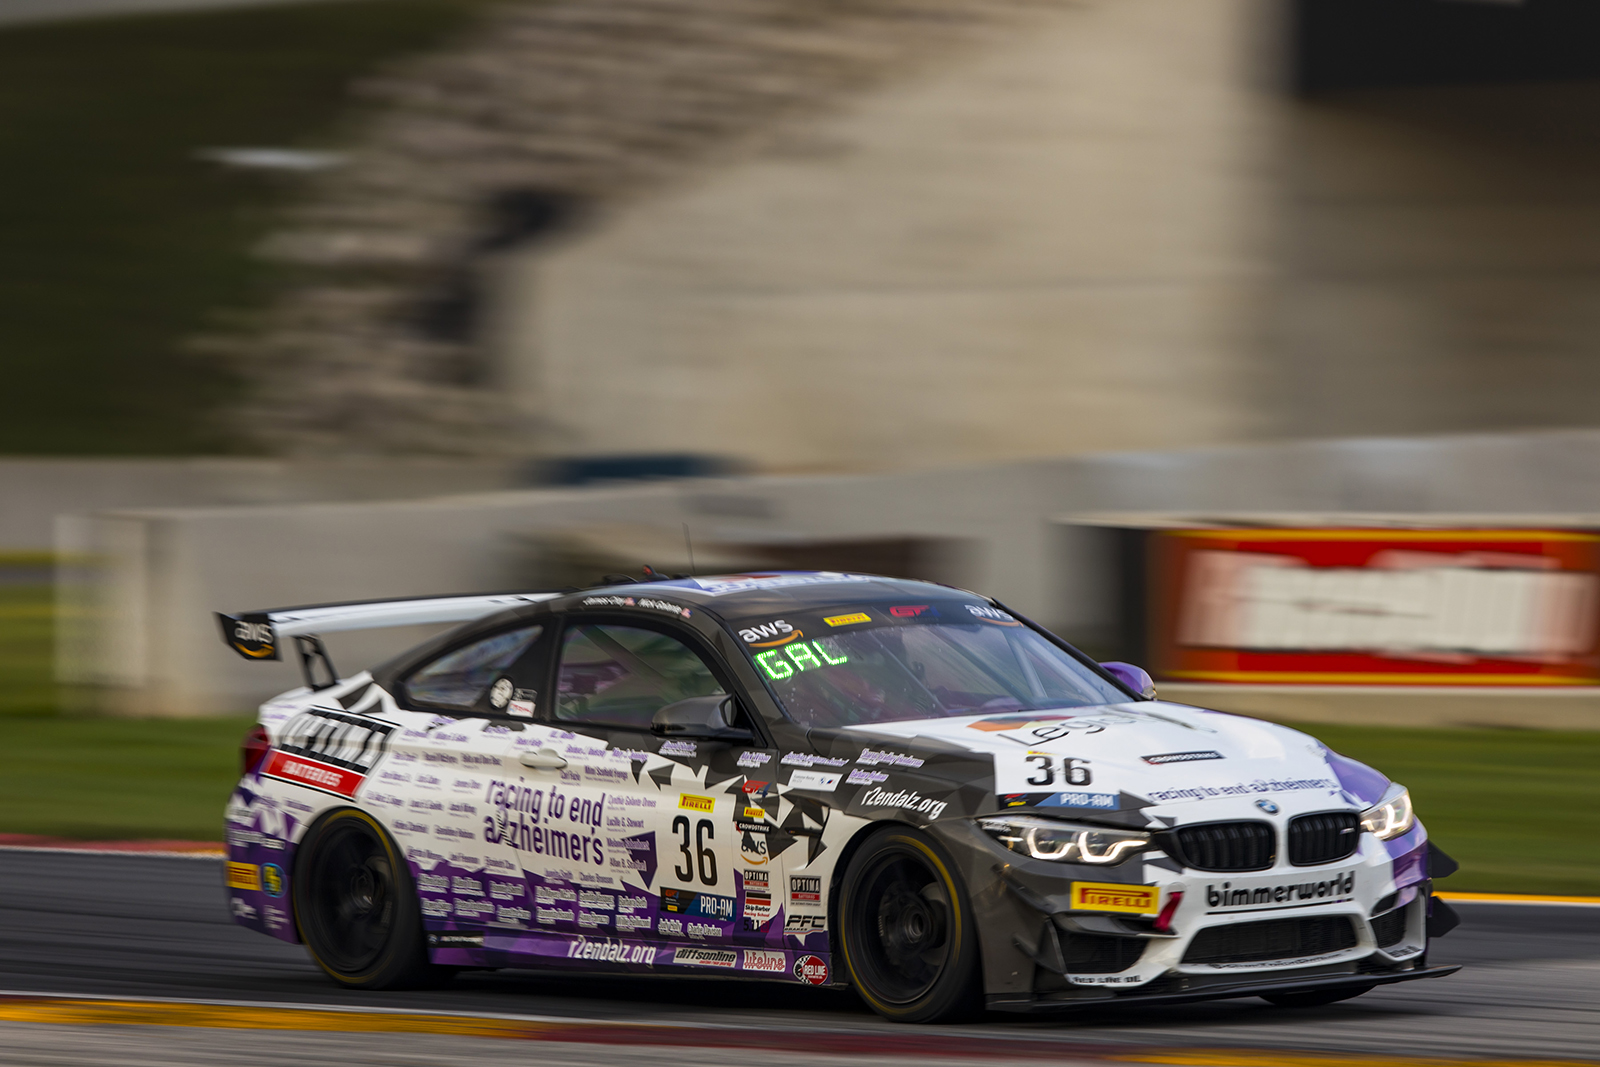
906,930
356,907
1315,998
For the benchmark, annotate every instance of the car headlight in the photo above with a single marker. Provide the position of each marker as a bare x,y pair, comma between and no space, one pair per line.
1064,842
1391,816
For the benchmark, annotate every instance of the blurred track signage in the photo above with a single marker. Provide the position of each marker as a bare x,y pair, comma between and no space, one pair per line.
1374,606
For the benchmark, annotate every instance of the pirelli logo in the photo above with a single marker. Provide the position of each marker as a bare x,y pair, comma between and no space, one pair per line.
244,876
690,802
1111,896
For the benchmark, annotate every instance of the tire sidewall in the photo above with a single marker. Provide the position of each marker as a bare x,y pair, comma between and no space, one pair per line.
956,994
404,960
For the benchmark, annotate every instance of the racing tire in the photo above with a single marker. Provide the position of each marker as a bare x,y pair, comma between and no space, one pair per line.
1315,998
906,930
356,906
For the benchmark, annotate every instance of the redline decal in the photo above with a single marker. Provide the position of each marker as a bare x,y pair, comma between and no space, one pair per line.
811,970
299,770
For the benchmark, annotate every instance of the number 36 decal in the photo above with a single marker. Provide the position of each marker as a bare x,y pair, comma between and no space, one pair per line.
1044,770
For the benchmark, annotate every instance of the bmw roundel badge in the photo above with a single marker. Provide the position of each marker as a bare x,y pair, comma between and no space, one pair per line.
1267,806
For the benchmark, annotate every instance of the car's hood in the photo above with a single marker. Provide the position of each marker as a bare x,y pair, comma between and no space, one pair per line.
1158,752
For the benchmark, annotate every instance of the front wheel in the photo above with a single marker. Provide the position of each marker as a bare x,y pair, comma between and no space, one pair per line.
356,907
906,930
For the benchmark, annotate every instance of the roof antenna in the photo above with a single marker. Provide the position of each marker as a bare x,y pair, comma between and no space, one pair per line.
687,543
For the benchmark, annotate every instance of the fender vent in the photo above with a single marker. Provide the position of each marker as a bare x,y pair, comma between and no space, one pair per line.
1324,838
1228,846
1278,939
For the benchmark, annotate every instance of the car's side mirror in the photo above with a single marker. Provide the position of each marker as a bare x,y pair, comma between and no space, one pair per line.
708,718
1135,678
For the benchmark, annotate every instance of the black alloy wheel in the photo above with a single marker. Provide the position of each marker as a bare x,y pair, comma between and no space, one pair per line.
1315,998
906,929
356,907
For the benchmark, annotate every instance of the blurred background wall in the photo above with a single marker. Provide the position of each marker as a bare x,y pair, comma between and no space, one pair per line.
930,273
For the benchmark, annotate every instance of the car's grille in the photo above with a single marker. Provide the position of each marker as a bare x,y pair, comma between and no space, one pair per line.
1089,954
1228,846
1324,838
1278,939
1389,929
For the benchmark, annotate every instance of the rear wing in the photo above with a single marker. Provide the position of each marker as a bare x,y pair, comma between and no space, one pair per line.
258,635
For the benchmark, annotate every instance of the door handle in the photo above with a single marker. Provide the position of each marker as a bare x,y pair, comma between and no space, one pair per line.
546,759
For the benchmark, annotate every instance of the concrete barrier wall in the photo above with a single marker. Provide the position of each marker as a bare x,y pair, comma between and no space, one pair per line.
34,491
139,637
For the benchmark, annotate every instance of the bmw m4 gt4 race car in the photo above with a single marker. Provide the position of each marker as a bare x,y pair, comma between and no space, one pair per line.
815,778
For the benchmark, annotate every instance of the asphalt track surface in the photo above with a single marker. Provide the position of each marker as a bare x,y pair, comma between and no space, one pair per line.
148,928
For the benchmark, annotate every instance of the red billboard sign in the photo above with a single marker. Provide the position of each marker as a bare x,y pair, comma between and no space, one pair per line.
1376,607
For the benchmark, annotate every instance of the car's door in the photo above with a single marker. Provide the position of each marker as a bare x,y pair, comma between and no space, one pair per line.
671,814
462,712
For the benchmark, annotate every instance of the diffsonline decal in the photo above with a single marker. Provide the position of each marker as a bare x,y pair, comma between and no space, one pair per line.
705,957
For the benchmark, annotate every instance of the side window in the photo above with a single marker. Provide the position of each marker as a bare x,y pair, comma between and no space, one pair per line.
622,675
458,680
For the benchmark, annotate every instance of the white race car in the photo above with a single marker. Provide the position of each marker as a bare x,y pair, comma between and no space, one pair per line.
829,779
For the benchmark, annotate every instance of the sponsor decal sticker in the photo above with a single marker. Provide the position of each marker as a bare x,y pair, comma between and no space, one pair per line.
816,780
910,611
805,924
755,813
765,962
244,876
806,890
706,957
648,603
750,760
847,620
907,799
1113,896
984,613
811,970
690,802
273,882
770,634
1181,757
678,748
1340,887
874,758
1097,801
311,773
858,776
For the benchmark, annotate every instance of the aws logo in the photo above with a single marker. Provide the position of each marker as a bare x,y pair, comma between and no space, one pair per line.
258,634
770,634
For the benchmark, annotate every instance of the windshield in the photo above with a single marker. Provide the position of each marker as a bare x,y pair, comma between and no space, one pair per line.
857,665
